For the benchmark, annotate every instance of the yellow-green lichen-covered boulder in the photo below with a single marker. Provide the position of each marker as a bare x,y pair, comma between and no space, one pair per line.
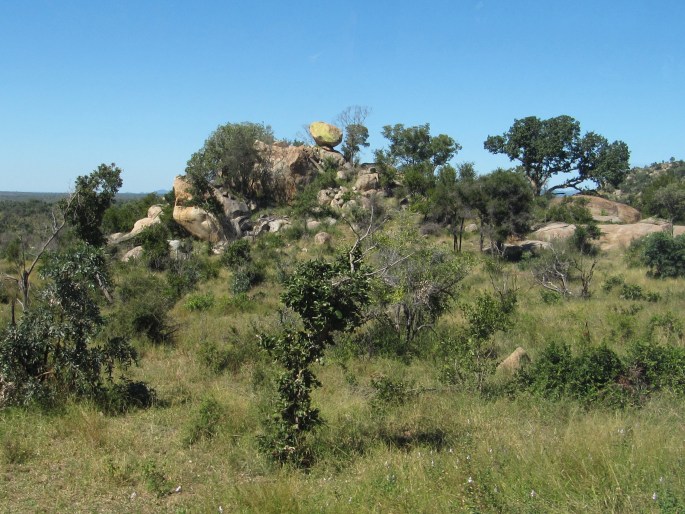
325,134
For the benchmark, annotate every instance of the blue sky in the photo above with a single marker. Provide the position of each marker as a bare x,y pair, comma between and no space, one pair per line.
144,83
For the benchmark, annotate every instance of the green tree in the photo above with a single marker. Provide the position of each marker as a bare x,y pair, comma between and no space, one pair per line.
53,351
414,156
503,201
418,284
352,121
84,209
547,148
231,158
328,297
93,194
669,202
448,200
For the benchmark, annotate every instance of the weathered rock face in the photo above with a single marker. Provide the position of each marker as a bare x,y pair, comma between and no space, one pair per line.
152,218
367,182
613,235
294,167
322,238
133,254
606,211
199,223
620,236
325,134
552,231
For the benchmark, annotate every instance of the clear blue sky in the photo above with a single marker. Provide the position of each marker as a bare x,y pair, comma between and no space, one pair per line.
144,83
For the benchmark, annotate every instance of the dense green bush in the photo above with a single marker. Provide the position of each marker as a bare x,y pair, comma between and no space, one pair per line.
236,253
142,307
569,210
246,277
586,377
664,254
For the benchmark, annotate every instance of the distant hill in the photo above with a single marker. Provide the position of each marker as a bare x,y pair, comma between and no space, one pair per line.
20,196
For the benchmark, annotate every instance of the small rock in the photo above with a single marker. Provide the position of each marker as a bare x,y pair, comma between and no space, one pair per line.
514,362
322,238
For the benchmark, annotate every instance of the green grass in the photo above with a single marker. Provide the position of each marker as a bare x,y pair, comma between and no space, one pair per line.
444,449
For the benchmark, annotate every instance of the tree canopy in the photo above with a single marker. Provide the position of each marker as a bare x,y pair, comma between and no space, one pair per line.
547,148
231,158
414,155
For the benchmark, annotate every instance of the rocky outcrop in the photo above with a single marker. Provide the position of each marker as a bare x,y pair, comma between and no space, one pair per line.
367,182
606,211
613,236
293,167
325,134
133,254
620,236
199,223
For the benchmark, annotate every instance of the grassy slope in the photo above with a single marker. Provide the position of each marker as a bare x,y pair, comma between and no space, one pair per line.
443,450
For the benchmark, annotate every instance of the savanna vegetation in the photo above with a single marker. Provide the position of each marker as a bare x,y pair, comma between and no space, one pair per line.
358,375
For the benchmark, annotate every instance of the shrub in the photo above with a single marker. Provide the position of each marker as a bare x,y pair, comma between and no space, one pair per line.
200,302
569,210
655,366
237,253
664,254
246,277
142,308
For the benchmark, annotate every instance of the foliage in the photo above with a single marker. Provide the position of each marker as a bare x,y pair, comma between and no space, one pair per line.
200,302
664,254
450,200
155,242
419,282
246,277
184,274
231,158
468,358
352,121
236,253
503,201
570,210
586,377
546,148
669,202
51,353
328,297
142,308
92,196
414,156
120,216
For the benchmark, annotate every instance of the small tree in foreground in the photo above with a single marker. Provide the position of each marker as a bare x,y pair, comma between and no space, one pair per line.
327,297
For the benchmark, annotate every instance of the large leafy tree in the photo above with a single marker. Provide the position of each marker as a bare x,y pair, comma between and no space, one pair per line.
231,158
555,146
414,156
